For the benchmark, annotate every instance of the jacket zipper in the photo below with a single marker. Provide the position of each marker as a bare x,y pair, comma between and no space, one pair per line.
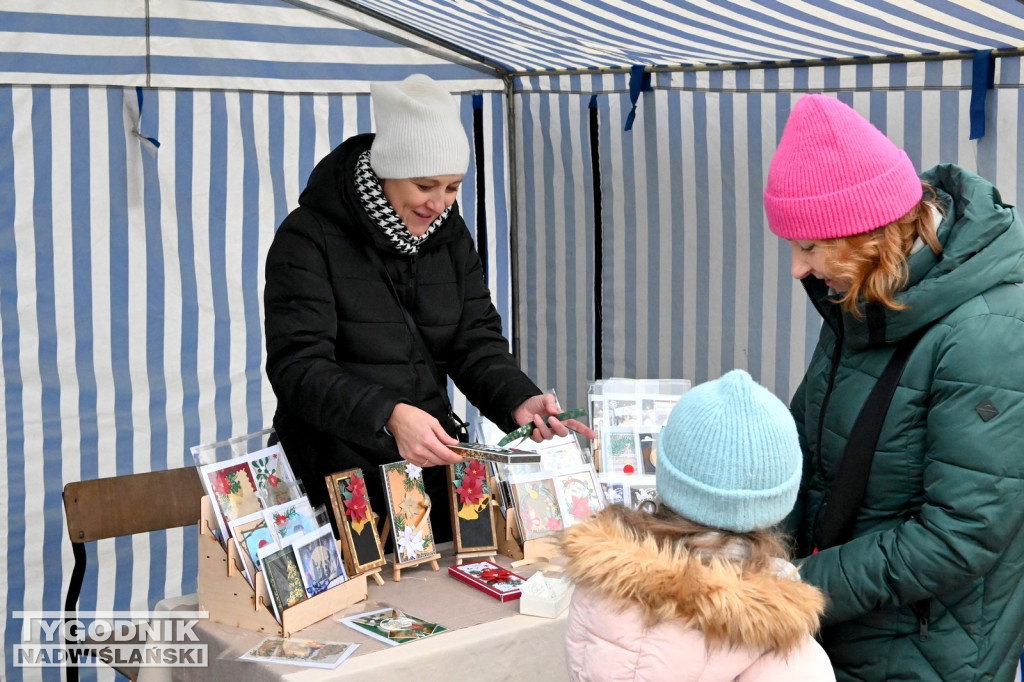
833,371
838,330
922,609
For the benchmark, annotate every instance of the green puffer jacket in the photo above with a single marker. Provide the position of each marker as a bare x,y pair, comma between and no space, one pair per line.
931,587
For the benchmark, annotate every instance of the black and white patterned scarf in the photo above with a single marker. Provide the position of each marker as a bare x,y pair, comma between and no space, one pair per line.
376,205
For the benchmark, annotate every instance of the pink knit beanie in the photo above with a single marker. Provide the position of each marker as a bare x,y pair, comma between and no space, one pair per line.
836,175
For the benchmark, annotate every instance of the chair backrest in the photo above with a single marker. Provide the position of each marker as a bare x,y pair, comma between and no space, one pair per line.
125,505
136,503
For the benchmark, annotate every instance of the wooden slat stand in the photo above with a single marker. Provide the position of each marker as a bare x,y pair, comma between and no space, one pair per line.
227,596
538,550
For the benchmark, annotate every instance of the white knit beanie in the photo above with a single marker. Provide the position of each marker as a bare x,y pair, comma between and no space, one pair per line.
419,132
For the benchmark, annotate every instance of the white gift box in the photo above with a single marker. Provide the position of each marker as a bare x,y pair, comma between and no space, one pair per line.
543,596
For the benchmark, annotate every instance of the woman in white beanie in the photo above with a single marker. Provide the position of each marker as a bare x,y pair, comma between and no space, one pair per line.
375,295
701,589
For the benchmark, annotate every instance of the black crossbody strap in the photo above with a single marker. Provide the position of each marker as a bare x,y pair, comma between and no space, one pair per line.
847,491
417,337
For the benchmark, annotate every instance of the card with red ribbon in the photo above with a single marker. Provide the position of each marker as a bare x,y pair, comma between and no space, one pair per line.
488,577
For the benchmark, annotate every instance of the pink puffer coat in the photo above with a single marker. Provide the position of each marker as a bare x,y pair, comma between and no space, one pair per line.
647,613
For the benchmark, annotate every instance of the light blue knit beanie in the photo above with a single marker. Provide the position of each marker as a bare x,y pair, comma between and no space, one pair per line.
729,456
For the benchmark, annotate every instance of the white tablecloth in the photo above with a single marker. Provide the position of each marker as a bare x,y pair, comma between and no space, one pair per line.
487,638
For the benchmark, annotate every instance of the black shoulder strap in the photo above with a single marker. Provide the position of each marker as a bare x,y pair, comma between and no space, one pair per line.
847,491
417,337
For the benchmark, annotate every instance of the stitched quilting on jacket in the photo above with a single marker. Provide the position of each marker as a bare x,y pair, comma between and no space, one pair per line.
650,611
339,353
930,586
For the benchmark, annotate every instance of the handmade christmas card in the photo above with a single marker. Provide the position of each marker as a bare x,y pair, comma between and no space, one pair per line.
409,511
357,523
489,578
472,513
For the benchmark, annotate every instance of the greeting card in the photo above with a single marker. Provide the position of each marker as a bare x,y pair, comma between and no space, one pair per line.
536,501
579,495
391,626
350,503
488,577
472,513
409,511
319,561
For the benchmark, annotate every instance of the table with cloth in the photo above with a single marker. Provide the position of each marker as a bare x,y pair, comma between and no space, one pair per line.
487,638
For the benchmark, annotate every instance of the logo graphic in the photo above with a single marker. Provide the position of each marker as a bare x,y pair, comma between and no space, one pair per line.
146,639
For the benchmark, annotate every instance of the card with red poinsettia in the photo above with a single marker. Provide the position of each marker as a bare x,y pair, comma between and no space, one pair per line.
472,513
360,540
500,583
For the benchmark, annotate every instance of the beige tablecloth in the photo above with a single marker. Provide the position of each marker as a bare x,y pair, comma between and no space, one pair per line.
487,639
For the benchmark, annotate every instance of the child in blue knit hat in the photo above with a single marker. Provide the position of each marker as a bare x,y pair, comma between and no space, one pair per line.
701,589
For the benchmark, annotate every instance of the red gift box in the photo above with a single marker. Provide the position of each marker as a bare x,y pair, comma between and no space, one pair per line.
500,583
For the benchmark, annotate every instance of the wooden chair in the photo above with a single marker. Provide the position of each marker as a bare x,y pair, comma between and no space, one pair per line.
125,505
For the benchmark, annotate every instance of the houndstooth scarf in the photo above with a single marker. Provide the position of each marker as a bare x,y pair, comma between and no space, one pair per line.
376,205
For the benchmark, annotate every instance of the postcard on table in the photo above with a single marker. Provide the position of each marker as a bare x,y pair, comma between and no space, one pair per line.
303,652
392,626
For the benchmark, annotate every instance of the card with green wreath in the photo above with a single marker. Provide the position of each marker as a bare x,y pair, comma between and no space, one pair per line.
392,626
537,508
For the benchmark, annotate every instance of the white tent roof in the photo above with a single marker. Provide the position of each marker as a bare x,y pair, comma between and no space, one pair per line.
341,45
532,35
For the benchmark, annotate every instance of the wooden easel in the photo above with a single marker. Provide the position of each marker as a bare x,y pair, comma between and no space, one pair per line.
375,574
482,554
398,566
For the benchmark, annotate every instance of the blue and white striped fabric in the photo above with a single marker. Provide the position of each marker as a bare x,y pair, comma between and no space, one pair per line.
131,303
538,35
130,283
258,45
693,283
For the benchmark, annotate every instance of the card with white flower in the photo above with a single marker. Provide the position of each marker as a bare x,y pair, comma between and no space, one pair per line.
409,514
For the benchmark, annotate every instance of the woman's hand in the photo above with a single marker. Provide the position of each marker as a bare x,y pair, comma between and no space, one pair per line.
420,437
540,410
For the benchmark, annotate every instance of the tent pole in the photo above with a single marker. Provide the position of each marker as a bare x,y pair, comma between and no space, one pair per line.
513,210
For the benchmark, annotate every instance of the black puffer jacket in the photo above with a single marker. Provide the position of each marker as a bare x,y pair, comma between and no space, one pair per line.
339,353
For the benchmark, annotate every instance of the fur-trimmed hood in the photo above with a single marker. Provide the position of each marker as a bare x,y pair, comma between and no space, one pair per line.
612,556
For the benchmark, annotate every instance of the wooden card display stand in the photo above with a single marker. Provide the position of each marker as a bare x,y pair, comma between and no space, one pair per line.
226,595
539,550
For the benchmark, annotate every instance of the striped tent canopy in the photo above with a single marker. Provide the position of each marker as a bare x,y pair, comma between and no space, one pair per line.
256,45
525,36
150,148
340,45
